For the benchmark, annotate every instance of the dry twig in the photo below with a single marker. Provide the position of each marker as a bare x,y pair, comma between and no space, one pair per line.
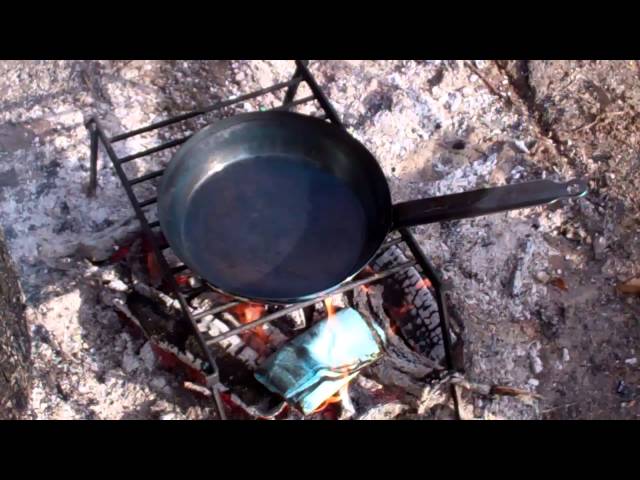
488,84
490,390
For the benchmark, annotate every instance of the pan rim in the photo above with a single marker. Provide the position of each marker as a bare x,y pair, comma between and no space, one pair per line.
218,126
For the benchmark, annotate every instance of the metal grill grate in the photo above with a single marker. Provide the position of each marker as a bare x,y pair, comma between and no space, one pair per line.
160,247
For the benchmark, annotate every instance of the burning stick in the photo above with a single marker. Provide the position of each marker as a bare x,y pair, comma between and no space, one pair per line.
153,294
194,387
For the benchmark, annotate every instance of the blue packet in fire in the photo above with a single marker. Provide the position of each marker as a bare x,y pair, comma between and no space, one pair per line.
314,366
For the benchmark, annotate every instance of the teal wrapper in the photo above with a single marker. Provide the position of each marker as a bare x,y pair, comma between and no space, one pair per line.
316,364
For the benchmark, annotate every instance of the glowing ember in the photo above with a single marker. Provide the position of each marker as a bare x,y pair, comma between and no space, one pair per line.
155,272
182,280
119,254
248,312
424,283
400,311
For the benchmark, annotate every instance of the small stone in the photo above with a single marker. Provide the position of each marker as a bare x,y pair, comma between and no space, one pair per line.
599,246
521,146
118,286
542,276
535,362
130,363
534,382
565,355
148,356
631,361
158,383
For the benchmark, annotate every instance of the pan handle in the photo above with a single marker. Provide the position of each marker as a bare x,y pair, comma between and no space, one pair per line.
484,201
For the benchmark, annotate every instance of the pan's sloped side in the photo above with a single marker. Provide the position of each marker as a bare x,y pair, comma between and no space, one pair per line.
274,206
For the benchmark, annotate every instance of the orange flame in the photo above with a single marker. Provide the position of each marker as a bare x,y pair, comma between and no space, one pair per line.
400,311
328,305
248,312
333,399
423,283
153,267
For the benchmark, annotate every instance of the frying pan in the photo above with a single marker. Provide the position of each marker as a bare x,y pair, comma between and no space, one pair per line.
279,207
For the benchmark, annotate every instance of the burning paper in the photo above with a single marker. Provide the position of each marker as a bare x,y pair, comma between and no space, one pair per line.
318,363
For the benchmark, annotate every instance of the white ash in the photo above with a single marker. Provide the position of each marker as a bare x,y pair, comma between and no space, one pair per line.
232,344
386,411
299,319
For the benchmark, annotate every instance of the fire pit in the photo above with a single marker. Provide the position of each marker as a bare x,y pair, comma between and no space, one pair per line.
220,342
390,296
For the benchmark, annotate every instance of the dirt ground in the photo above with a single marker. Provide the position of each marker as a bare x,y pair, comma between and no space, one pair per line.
534,290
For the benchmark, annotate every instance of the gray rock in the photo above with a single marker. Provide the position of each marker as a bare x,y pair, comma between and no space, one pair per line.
148,356
520,145
118,286
599,246
384,412
130,363
534,359
542,276
158,383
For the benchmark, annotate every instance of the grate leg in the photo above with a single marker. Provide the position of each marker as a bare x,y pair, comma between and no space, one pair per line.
434,278
293,89
93,174
218,400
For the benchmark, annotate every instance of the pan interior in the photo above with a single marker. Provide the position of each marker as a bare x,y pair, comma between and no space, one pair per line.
276,226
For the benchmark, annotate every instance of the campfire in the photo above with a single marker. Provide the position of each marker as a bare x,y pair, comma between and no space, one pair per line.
373,351
378,346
